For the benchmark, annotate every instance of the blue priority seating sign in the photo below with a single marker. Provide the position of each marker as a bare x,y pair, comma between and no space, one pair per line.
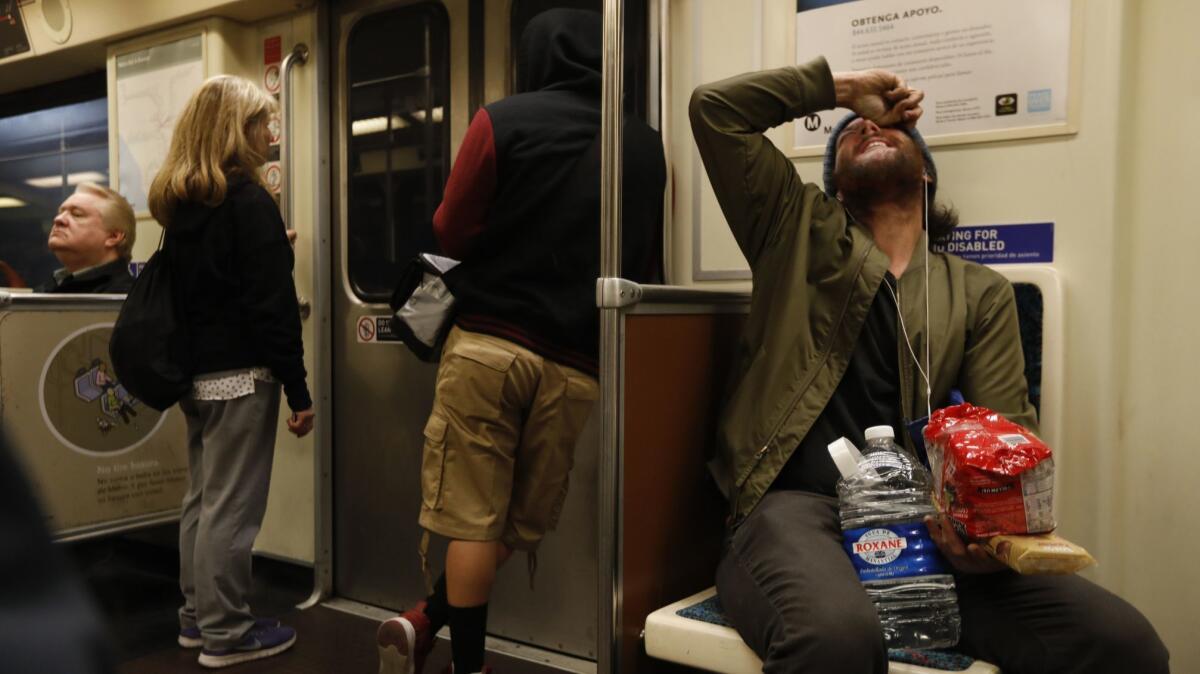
1002,244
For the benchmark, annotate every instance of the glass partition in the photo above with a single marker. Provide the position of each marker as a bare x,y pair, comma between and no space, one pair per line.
44,154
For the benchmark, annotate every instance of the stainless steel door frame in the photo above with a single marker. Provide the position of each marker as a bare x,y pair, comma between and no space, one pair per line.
323,256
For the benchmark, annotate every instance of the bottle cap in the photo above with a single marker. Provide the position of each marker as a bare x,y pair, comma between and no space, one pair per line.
845,456
876,432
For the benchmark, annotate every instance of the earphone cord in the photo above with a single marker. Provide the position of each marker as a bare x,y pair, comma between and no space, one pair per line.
928,333
908,344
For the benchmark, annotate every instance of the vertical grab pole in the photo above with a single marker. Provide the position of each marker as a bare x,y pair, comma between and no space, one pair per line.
609,601
299,55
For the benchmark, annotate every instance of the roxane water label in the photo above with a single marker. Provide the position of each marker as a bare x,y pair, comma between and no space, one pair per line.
893,551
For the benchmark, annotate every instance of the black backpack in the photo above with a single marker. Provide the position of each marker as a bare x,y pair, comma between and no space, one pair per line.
150,346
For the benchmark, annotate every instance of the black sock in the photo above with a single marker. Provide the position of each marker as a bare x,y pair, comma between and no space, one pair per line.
468,626
437,607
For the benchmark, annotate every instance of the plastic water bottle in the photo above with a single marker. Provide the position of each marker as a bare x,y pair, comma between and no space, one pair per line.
884,497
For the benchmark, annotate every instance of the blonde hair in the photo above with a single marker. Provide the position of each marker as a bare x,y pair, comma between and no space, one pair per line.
116,213
210,145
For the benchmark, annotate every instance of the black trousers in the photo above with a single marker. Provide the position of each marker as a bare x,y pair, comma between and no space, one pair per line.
790,590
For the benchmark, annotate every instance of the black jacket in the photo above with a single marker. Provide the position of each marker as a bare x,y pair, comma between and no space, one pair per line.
111,277
232,268
531,274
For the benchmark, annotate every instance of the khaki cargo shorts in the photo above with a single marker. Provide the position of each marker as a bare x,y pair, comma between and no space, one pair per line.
500,441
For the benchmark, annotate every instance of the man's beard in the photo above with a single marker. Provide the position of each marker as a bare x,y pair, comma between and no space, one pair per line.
864,185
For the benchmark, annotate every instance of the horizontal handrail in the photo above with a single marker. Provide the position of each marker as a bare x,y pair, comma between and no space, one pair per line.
691,295
44,299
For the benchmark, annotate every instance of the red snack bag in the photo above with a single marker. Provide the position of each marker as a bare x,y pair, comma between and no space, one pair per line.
991,476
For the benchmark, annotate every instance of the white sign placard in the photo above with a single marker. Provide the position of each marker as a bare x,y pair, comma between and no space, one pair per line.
153,85
985,66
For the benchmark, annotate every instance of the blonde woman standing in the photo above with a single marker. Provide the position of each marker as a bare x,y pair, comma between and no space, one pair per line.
231,267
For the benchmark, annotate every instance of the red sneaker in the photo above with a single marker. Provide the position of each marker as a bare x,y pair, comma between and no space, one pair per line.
404,642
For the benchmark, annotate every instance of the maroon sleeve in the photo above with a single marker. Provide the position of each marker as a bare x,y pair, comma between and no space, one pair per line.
463,213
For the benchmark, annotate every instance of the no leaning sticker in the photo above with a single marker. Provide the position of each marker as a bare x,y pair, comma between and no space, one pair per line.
375,330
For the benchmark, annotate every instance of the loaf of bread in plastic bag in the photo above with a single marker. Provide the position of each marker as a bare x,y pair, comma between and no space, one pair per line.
1039,554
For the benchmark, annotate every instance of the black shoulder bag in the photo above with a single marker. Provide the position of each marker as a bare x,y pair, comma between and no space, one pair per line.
423,306
150,345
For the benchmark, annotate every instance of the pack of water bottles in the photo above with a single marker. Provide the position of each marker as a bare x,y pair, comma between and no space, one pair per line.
884,496
990,475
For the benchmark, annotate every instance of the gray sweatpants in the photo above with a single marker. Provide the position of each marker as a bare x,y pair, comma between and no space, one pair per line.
787,585
231,445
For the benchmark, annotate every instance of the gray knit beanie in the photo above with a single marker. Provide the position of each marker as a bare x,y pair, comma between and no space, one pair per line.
831,155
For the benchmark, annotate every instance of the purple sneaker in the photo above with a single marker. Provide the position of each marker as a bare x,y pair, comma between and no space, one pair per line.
189,637
259,643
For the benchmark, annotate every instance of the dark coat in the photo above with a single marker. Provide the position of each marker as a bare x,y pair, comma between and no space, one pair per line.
232,267
112,277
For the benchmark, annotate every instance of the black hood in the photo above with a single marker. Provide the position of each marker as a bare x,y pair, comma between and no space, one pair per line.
561,49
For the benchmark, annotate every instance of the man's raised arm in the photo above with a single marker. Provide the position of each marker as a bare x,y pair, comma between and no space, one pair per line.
755,183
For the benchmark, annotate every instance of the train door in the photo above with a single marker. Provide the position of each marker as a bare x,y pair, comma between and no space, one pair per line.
406,78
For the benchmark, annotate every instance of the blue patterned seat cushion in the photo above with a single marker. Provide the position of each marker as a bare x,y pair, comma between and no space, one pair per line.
710,611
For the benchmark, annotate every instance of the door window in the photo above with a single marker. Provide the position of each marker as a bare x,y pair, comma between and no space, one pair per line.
398,82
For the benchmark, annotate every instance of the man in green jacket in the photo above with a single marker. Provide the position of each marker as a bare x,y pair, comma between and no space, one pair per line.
838,340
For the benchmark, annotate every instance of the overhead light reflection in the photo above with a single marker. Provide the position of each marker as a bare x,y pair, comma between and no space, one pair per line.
364,127
11,202
419,115
72,179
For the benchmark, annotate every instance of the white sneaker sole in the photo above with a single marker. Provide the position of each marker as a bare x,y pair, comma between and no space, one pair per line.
188,642
393,659
218,661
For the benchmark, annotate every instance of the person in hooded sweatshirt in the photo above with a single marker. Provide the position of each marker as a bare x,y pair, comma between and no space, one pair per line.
231,265
517,378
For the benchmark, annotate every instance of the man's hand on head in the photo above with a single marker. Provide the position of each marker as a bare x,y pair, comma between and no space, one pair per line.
880,96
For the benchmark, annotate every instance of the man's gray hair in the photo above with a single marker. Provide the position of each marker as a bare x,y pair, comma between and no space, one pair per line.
116,213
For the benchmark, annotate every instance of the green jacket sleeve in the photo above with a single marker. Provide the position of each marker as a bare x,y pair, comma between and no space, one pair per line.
993,370
754,181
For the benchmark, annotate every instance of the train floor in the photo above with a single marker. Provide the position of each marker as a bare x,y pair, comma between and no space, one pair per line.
134,580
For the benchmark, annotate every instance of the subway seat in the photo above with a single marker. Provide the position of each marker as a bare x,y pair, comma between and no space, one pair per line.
700,638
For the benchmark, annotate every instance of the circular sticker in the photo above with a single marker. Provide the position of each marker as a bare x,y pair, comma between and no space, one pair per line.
274,177
271,78
275,128
83,402
880,546
366,329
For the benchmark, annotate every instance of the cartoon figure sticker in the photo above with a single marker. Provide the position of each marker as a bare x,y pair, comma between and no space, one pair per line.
83,402
95,383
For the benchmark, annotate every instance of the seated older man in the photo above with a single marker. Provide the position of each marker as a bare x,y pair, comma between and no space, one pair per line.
92,237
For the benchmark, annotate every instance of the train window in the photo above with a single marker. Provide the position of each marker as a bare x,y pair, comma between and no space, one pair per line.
398,80
46,148
637,64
